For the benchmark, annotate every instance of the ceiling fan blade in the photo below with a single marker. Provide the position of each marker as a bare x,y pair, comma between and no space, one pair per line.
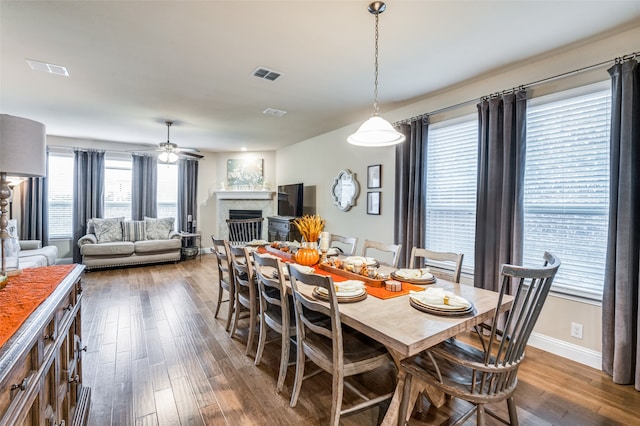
190,154
179,149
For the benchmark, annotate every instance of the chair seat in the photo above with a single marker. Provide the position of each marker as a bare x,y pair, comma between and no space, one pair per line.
456,378
360,354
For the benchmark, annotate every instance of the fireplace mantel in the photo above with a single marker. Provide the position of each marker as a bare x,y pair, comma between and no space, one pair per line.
245,195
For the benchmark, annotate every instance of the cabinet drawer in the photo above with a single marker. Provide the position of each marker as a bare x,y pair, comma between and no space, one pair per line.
14,388
64,309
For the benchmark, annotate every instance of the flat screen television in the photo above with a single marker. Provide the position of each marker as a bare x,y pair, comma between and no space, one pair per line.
291,199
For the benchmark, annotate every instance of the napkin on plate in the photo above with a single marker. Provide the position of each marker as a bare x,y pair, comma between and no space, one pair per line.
414,274
440,298
349,285
301,268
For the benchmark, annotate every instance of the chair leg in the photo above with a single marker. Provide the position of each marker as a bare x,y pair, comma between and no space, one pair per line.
337,393
297,383
220,290
252,328
262,339
513,412
231,308
236,315
284,360
481,415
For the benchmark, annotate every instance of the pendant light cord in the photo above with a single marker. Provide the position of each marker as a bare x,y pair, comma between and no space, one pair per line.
375,77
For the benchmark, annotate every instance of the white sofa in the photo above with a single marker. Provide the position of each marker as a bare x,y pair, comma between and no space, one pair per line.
33,255
139,242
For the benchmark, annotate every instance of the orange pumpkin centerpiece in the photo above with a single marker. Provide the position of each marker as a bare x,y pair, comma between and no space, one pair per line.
310,228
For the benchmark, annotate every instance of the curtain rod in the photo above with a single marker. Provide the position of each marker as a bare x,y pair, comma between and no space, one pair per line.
617,60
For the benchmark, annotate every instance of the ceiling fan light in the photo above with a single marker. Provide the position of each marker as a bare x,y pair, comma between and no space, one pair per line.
167,157
375,132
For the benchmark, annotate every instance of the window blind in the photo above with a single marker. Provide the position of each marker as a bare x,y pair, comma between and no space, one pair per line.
117,188
60,198
566,191
168,190
452,157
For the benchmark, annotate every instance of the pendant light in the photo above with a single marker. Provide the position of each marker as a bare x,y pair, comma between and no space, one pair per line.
376,131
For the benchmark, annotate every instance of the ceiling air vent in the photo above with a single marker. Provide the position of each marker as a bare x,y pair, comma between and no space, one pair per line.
274,112
266,74
50,68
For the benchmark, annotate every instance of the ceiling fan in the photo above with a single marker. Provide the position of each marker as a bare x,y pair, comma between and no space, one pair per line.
170,152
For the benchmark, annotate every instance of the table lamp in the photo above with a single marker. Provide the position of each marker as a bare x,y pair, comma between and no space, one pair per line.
22,153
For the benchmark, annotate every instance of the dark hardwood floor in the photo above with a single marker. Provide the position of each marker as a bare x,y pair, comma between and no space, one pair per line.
156,356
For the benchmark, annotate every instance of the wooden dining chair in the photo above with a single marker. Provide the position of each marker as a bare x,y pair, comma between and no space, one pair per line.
449,264
246,298
340,351
241,231
347,245
276,310
225,278
487,375
393,249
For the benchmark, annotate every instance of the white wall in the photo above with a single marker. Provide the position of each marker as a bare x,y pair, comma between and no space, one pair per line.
317,161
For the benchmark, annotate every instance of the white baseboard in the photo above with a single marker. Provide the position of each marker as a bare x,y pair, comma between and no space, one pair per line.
568,350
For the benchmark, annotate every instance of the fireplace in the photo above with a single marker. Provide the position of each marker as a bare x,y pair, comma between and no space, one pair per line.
229,203
244,214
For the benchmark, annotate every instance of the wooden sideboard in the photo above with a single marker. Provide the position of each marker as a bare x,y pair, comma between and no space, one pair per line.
281,228
41,364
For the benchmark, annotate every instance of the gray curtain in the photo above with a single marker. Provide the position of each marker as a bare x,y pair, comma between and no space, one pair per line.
620,315
187,191
88,193
34,208
499,209
144,187
34,223
411,163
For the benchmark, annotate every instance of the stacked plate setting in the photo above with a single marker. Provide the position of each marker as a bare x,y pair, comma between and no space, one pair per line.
414,276
437,301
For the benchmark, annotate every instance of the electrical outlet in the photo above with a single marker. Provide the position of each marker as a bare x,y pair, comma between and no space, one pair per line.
576,330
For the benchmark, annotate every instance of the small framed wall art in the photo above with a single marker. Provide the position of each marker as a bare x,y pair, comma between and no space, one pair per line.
374,175
373,202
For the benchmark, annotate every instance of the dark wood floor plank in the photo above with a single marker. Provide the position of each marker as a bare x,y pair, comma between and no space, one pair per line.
142,388
184,368
167,410
186,402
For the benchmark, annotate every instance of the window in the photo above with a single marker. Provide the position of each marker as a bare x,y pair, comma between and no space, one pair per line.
452,157
60,188
168,190
566,190
117,188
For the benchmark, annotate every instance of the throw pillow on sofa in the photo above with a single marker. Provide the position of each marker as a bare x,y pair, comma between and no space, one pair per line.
108,230
158,229
133,230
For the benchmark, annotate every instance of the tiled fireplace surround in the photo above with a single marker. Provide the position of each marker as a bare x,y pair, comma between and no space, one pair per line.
244,200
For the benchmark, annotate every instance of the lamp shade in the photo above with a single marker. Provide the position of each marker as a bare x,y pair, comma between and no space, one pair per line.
22,147
374,132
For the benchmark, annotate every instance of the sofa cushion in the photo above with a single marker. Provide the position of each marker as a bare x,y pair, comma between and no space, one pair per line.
46,254
133,230
92,230
154,246
158,229
108,230
119,248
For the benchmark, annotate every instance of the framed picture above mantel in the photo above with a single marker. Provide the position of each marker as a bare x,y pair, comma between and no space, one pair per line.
245,174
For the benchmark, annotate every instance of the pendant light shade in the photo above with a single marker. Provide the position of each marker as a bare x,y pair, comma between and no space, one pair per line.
376,131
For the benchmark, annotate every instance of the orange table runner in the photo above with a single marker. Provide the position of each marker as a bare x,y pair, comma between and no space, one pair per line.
24,293
379,292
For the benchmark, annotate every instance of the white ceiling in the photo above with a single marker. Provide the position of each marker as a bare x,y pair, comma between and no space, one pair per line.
134,64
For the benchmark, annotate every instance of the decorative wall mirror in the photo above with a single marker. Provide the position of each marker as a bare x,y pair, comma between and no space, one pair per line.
345,190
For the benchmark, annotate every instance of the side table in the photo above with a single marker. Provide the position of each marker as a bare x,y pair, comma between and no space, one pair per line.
197,237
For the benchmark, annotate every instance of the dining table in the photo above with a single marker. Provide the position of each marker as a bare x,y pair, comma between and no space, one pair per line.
406,331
